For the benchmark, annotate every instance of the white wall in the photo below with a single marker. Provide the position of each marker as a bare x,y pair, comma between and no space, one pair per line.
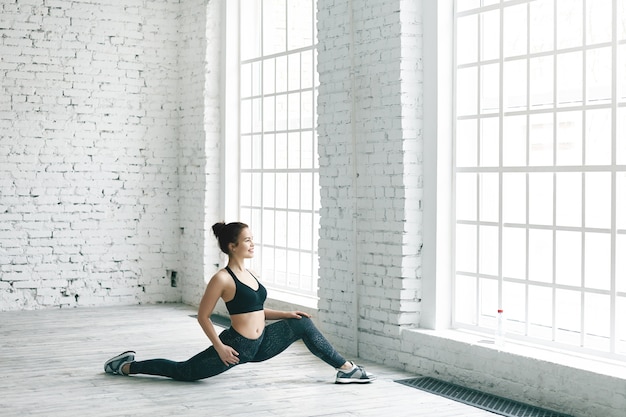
102,151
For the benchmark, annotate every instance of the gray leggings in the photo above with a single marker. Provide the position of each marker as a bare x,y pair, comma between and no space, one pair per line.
276,338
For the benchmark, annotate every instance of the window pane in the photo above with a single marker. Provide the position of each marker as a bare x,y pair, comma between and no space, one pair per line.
466,143
598,199
597,321
467,86
293,148
541,79
306,110
620,201
620,311
569,199
307,151
293,191
489,142
269,192
540,312
515,36
541,139
256,114
307,68
245,112
306,230
568,316
598,13
488,250
598,137
568,255
490,37
489,88
569,136
269,116
489,197
514,198
281,190
514,141
569,23
300,23
293,69
621,19
465,248
466,195
541,22
245,80
274,26
467,39
514,252
257,152
598,261
269,76
620,264
465,297
599,68
293,225
515,79
621,73
245,188
569,78
268,151
251,30
256,189
540,198
540,255
514,304
281,74
620,138
294,111
488,293
281,112
281,228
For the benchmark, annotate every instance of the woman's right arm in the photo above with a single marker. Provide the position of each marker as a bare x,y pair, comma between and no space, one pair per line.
214,290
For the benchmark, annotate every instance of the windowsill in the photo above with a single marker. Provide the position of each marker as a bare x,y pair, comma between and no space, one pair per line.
521,350
290,298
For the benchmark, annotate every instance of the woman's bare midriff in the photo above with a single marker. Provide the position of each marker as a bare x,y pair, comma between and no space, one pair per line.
249,325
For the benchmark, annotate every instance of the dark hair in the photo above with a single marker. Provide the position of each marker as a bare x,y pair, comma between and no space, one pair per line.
227,234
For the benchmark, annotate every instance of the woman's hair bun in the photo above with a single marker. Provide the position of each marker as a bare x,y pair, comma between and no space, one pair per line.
217,228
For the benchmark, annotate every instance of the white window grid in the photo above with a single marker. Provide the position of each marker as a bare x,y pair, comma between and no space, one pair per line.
540,171
279,171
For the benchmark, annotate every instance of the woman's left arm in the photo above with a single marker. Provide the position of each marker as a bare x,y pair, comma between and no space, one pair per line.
278,315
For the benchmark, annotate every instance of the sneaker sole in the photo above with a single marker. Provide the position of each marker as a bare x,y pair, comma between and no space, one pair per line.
353,381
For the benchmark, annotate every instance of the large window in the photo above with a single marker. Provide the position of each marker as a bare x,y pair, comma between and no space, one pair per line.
540,170
278,176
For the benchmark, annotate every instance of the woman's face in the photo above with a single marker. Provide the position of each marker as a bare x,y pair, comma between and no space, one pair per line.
245,244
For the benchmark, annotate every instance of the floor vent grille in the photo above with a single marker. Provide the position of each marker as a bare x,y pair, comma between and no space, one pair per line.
478,399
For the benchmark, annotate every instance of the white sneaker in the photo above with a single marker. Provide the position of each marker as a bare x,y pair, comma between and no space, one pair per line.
114,365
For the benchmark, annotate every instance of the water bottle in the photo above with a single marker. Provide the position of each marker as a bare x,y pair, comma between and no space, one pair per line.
500,328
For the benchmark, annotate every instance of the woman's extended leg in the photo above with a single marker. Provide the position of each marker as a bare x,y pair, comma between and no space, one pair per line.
203,365
280,335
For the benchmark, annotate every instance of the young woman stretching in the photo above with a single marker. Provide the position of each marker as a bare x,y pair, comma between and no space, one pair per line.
248,339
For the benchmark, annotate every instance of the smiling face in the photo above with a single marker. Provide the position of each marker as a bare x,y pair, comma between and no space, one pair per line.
245,245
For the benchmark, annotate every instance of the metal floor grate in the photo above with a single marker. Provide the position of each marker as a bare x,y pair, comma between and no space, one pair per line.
493,403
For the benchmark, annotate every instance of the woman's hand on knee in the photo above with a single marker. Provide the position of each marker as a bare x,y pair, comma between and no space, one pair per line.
297,315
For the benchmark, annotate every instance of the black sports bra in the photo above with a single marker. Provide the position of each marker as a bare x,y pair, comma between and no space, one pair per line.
246,299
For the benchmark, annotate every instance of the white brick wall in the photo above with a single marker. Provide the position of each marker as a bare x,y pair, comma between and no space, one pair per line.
90,120
369,170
